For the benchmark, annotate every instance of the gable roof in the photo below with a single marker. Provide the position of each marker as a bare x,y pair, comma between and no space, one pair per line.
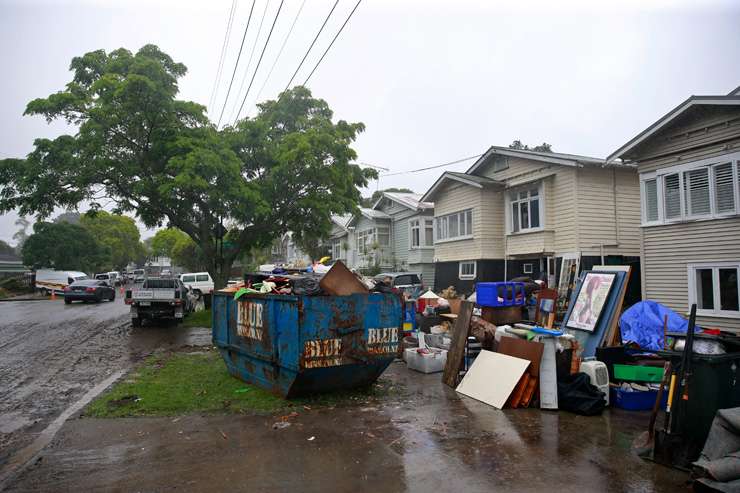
370,214
560,158
470,180
409,200
731,99
341,220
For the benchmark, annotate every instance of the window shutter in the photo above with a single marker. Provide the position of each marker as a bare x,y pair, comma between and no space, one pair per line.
672,196
696,186
725,192
651,200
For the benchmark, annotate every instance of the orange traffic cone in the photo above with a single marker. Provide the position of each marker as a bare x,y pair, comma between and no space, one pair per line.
53,295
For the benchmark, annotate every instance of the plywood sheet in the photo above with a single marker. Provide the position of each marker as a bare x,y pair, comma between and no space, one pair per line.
548,376
519,348
340,281
492,377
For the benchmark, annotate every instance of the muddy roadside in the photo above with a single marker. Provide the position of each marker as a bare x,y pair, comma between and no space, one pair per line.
52,354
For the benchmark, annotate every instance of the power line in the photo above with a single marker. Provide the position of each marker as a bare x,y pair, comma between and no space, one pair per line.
236,65
282,47
249,62
427,168
332,42
309,48
224,48
259,61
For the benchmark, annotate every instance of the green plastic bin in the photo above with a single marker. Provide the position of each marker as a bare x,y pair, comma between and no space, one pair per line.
635,373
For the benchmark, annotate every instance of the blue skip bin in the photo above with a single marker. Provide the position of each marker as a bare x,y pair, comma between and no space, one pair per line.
298,345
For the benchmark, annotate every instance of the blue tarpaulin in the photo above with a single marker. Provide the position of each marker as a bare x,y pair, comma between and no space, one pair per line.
642,323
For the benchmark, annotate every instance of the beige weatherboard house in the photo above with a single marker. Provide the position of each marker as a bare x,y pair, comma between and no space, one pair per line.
689,168
519,213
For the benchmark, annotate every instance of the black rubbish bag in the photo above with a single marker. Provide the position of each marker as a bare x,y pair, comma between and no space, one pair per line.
577,395
307,285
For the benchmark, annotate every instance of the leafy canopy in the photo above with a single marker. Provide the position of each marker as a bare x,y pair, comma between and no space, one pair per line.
136,144
517,144
117,234
63,246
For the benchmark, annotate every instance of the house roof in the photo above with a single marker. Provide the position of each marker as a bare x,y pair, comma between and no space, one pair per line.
371,214
471,180
410,200
731,99
560,158
341,220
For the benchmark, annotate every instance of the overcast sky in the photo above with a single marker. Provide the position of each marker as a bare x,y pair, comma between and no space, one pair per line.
433,81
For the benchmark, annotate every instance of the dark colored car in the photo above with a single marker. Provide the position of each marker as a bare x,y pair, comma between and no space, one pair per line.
403,281
89,290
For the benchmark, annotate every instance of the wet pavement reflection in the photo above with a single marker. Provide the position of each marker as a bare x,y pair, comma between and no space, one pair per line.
424,438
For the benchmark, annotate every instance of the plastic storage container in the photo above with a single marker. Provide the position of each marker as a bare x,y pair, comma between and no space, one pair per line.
635,373
296,345
495,294
636,400
432,362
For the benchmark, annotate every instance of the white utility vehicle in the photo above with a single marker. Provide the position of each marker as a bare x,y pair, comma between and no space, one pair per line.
48,280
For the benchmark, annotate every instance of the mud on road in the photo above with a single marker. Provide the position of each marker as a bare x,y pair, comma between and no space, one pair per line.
51,354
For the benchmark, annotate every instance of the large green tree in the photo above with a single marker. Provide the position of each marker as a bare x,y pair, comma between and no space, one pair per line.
118,234
136,143
6,249
63,246
164,241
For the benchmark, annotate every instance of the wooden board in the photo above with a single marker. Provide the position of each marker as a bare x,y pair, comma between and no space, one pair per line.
340,281
455,355
492,377
548,376
519,348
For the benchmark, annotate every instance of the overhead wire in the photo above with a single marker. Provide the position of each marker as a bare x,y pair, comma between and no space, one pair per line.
259,61
282,47
236,65
311,46
224,48
427,168
249,63
332,42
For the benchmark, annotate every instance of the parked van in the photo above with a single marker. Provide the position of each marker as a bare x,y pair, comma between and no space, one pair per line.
198,282
48,280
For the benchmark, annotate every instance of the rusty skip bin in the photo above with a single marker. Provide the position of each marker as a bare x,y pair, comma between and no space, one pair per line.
296,345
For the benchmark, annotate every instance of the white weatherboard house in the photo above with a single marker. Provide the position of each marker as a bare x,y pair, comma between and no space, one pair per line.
341,240
689,168
371,231
412,233
518,213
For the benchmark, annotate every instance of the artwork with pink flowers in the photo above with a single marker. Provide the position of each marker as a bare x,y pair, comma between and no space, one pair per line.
590,301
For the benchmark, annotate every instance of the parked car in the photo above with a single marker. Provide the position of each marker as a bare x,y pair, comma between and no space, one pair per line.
407,282
89,290
139,275
109,277
48,280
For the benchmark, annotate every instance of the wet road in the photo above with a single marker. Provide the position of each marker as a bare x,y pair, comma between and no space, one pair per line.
51,354
425,439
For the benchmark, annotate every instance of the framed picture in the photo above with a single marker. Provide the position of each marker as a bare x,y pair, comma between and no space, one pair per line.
590,301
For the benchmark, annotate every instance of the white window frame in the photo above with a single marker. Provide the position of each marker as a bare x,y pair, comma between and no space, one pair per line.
540,185
715,266
336,248
421,224
442,226
531,268
681,169
467,277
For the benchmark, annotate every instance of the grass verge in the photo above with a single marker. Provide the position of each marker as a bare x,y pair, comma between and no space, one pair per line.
198,319
184,383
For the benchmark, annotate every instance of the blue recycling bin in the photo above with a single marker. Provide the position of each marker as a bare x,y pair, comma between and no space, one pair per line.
298,345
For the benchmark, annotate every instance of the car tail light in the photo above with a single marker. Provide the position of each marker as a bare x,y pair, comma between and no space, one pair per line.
90,290
128,301
177,302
